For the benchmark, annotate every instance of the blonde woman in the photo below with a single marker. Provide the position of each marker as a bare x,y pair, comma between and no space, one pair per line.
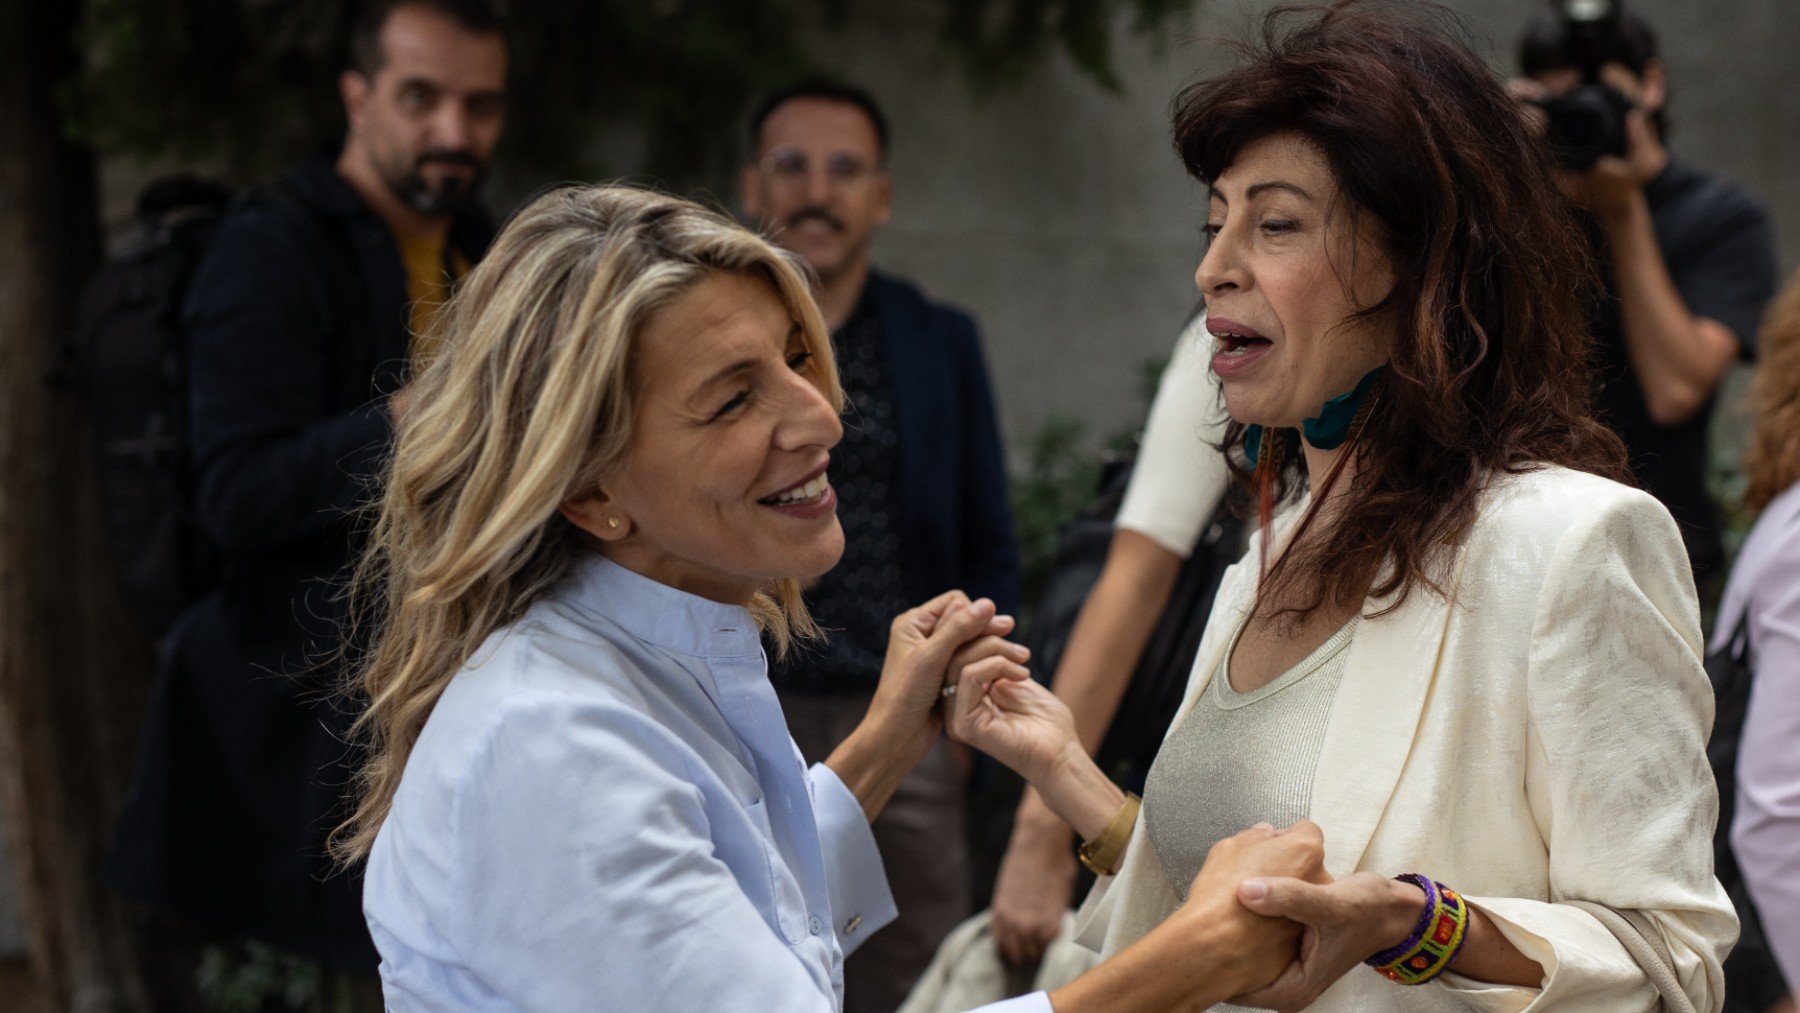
581,792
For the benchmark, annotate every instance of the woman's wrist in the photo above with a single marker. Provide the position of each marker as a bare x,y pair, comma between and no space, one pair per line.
1036,821
1078,792
1400,915
872,760
906,735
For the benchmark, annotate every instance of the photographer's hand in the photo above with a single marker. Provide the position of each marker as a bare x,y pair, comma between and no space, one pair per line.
1613,189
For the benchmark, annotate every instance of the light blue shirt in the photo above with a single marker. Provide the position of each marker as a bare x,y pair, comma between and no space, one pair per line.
605,811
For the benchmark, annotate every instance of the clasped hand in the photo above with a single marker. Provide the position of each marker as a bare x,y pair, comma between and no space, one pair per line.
1268,887
935,644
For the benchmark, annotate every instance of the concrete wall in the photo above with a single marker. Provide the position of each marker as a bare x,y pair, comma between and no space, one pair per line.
1057,213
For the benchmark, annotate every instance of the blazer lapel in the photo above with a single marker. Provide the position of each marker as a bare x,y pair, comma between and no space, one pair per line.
916,379
1387,676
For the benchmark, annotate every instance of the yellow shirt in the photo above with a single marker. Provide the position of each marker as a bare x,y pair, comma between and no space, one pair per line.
432,268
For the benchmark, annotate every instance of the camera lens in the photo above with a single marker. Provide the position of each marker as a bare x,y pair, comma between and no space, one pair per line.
1587,123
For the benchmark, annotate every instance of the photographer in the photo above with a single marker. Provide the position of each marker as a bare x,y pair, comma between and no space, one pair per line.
1688,256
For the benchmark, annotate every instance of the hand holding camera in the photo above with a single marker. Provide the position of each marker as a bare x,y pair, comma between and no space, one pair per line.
1596,111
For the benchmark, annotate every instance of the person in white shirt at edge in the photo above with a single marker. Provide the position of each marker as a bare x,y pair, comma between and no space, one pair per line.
1455,643
581,793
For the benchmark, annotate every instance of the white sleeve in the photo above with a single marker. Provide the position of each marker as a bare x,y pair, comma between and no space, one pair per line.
1180,476
861,901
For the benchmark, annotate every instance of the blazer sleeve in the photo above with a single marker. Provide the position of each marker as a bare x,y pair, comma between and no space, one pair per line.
271,462
1616,771
990,556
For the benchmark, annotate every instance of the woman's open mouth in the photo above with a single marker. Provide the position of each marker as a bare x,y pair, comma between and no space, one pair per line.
811,498
1236,347
1239,345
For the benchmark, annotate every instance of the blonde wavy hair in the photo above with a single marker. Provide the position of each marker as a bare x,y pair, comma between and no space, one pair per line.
529,403
1772,454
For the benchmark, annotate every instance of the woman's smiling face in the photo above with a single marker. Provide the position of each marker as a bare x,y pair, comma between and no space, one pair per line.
723,488
1289,264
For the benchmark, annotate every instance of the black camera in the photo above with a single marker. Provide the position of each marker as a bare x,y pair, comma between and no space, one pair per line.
1588,121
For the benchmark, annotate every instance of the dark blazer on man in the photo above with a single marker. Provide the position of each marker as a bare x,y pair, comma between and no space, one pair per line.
956,526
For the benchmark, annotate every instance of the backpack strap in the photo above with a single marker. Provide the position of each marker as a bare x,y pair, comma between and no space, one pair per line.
352,352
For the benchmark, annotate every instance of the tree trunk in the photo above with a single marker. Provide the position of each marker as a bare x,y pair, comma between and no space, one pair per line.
72,677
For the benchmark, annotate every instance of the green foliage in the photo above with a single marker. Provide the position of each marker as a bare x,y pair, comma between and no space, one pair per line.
997,42
254,978
1059,479
253,82
1062,476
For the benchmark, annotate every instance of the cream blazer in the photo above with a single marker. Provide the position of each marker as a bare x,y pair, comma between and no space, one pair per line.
1538,737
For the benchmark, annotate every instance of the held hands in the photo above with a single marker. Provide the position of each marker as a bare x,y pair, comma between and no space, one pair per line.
1345,921
1244,949
999,710
932,644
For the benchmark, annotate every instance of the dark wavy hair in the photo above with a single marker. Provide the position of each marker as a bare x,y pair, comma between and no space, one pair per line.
1490,370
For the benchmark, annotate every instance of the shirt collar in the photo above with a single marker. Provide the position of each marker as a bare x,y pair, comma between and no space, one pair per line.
659,614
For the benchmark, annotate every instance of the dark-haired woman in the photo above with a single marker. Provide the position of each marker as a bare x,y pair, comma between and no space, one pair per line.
1456,643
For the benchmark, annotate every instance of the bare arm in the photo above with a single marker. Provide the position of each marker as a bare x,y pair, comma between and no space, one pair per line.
1677,357
1211,948
1036,881
1105,645
1362,914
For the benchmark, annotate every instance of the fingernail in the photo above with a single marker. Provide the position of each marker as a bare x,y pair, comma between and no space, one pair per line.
1253,889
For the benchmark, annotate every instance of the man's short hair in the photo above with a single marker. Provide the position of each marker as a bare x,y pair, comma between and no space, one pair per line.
1549,45
820,88
366,57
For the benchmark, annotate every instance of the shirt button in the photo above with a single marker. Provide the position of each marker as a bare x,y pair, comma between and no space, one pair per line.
816,925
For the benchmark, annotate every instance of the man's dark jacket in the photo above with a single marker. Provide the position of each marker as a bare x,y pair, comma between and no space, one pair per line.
955,524
243,768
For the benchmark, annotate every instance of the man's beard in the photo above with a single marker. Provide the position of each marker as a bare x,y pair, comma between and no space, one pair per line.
449,197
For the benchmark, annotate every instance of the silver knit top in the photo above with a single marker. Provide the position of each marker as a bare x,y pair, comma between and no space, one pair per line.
1239,759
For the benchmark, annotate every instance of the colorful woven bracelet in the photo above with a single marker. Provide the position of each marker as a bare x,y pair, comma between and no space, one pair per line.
1435,941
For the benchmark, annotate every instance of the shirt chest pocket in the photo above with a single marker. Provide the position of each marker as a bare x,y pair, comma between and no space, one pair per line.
756,861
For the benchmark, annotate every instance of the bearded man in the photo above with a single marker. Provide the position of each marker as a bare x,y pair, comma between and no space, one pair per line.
302,322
